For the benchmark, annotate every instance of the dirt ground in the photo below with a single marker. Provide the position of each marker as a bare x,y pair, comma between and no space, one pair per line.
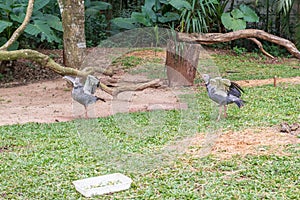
256,141
50,101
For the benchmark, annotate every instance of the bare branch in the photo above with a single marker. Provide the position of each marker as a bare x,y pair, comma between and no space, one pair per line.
21,28
261,48
212,38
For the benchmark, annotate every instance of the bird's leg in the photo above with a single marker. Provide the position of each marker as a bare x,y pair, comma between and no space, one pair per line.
225,111
220,112
86,113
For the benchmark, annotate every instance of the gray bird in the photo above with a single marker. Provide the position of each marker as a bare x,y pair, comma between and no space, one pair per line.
223,92
84,94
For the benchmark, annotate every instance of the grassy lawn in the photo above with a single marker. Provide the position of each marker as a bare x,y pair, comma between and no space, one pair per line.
254,66
40,161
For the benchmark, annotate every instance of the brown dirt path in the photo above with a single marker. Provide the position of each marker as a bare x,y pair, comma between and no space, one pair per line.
50,101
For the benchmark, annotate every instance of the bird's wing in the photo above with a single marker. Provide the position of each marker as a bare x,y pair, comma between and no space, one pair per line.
228,86
237,86
74,81
70,79
218,83
90,85
235,90
226,82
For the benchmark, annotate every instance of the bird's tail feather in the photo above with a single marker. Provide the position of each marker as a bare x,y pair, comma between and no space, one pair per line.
240,103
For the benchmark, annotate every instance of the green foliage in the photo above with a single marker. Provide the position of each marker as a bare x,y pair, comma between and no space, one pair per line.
128,61
192,15
239,50
276,50
94,7
42,27
196,17
4,25
284,6
237,18
216,18
95,22
153,12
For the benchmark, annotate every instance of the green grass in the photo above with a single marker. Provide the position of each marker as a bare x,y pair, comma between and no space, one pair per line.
254,66
40,161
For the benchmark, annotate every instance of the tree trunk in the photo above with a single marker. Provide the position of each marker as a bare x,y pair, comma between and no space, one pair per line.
181,62
72,12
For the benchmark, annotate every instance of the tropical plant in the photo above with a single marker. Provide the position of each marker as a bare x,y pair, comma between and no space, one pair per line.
238,18
154,12
43,26
216,18
197,16
95,21
283,9
284,6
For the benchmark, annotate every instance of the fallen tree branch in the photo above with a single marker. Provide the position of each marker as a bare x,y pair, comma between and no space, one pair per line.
46,61
42,59
261,48
136,87
212,38
106,89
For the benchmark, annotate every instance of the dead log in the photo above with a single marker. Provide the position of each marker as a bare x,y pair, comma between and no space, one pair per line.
212,38
136,87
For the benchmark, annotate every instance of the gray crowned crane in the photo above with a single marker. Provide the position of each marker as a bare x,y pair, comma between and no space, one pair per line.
84,94
223,92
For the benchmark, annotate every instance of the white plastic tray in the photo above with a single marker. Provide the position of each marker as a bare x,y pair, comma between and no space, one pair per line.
102,184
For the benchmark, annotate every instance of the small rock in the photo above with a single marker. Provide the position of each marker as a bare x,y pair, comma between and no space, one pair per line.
285,128
294,126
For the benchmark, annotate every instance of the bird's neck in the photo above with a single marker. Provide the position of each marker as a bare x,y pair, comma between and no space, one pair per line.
207,85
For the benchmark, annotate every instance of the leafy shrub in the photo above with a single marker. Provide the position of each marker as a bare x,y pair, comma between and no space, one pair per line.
95,22
197,15
275,50
237,18
239,50
44,26
153,13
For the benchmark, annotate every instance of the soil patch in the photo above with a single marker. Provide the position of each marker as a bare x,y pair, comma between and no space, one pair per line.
50,101
252,141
